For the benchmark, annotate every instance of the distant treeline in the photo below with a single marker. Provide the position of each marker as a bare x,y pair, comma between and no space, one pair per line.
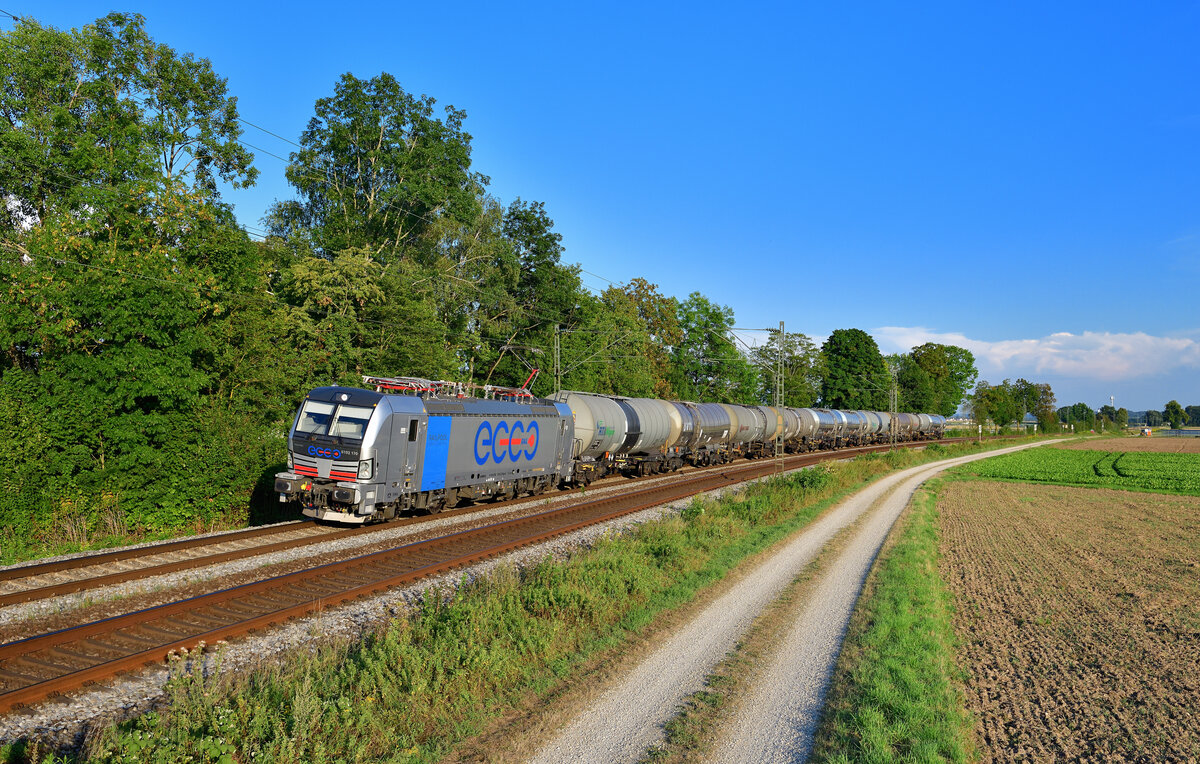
153,351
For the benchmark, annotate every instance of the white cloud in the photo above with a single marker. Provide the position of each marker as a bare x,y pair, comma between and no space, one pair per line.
1090,355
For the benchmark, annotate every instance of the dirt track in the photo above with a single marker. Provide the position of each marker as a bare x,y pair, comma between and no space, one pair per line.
1078,618
626,717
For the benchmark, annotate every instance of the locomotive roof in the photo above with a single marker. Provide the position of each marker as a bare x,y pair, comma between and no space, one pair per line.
433,404
353,395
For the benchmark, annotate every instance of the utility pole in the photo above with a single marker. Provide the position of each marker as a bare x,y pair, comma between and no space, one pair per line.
557,361
779,401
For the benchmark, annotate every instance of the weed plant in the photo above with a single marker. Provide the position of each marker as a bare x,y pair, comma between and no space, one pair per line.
431,679
894,696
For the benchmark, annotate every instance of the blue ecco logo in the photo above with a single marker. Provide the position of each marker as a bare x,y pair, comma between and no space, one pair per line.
505,440
328,453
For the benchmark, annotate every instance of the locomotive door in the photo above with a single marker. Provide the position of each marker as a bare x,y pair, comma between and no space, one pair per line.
406,445
562,443
413,447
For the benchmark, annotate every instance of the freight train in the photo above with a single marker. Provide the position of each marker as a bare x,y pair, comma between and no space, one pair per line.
364,455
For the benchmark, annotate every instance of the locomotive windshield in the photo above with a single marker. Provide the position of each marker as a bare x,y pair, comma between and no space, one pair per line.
321,418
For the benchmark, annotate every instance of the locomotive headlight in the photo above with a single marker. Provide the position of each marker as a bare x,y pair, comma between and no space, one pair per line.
366,469
291,461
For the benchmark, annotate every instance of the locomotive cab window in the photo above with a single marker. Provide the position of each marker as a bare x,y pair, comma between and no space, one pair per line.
314,417
351,422
412,431
321,418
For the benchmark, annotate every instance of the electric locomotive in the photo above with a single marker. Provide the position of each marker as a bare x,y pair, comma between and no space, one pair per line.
357,455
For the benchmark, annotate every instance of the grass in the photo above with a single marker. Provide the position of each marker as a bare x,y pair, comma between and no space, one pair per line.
894,697
427,682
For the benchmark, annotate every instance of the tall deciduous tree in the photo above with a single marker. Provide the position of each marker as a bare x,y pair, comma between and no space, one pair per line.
999,403
376,169
547,292
802,369
1193,413
916,391
707,365
855,374
951,372
1174,414
660,316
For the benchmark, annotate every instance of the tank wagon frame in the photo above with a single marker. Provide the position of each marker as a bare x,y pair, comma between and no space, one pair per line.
359,455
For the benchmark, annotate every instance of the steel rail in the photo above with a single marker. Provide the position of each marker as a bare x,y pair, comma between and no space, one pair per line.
101,558
102,649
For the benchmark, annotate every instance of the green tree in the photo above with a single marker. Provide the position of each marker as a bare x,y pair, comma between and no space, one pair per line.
660,315
607,353
706,363
1122,419
951,371
1174,414
376,169
1154,418
855,374
547,293
1044,410
91,114
999,403
802,369
915,389
1193,413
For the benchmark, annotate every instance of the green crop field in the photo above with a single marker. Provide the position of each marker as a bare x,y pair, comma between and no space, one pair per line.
1146,471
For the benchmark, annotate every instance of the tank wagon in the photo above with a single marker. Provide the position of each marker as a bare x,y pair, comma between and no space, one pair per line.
359,455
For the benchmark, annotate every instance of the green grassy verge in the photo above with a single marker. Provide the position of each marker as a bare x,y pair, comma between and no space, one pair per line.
431,680
894,696
1133,471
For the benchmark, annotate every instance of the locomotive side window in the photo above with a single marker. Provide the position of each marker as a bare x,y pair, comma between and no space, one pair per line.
412,431
314,417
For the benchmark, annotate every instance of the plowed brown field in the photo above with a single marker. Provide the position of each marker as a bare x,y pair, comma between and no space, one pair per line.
1158,445
1078,617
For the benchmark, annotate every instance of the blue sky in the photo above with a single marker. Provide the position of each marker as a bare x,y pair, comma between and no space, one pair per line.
1022,179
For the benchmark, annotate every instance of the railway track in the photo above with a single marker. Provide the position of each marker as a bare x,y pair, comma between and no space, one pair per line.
38,667
29,583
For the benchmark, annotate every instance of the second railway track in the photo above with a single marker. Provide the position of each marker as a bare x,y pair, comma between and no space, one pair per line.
38,667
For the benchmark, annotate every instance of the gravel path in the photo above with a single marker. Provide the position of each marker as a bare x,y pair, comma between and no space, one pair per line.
778,719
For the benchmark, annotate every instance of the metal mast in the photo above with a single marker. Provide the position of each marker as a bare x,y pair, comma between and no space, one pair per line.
557,362
893,397
779,401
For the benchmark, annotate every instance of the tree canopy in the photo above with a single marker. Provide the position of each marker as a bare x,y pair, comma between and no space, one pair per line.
376,169
951,373
855,375
1174,413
